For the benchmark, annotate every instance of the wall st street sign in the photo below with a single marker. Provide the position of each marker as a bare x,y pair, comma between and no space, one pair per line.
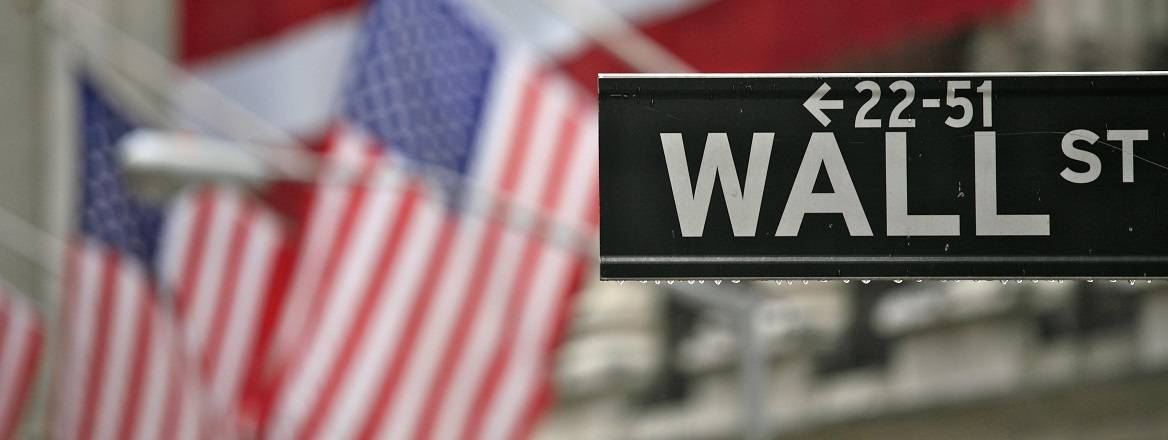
986,176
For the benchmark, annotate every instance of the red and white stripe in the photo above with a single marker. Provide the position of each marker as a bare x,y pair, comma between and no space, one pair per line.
428,322
122,370
21,339
218,257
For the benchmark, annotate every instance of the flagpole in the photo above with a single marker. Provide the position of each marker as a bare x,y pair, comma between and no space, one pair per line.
60,136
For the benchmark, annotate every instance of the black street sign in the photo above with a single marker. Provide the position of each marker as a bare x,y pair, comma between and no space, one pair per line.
948,176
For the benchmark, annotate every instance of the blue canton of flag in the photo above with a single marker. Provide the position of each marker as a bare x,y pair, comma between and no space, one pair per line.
419,81
109,212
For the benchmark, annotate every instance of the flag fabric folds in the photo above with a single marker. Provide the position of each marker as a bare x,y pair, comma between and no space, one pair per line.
21,343
434,308
122,371
218,258
164,308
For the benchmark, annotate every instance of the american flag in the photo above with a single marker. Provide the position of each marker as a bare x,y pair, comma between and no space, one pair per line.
428,313
160,305
121,370
219,257
21,339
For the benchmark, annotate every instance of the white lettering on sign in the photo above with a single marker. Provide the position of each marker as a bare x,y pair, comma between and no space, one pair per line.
900,223
816,104
1094,166
1127,140
985,176
823,152
743,199
693,202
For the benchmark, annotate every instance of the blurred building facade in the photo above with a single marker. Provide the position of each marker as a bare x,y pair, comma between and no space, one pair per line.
881,360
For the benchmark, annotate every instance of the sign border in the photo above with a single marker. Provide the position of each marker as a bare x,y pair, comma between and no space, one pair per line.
857,267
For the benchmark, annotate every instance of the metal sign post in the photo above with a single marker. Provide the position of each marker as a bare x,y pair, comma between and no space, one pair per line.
741,307
986,176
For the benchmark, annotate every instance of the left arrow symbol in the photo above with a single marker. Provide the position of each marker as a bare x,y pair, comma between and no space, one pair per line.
816,104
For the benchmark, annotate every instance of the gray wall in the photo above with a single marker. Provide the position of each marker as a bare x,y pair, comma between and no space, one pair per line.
22,158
